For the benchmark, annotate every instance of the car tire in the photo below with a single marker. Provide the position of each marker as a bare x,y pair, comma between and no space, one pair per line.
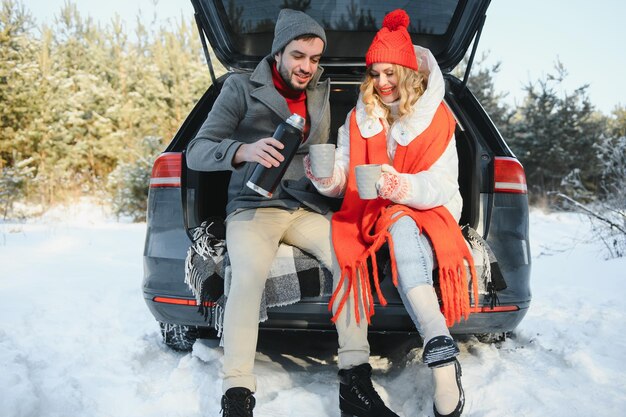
178,337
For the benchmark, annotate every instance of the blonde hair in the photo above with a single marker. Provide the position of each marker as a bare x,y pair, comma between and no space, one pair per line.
411,86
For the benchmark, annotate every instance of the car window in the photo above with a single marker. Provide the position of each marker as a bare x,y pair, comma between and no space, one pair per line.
241,31
257,16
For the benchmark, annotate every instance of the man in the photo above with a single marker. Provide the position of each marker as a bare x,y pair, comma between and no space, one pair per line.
236,135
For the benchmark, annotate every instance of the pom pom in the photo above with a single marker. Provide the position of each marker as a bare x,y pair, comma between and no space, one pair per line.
396,19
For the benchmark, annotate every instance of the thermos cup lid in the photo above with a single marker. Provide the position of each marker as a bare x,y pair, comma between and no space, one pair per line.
296,121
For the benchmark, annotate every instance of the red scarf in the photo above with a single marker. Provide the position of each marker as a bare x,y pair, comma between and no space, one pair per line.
360,227
296,99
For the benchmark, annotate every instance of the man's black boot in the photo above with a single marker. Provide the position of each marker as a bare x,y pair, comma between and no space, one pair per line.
357,396
237,402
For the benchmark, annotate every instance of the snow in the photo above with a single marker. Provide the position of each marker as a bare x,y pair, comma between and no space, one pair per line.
76,338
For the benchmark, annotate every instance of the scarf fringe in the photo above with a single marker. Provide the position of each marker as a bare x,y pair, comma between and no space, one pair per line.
193,278
379,293
344,298
219,320
453,286
205,245
358,275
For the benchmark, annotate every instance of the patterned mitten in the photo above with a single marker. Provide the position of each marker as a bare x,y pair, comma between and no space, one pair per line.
394,186
318,182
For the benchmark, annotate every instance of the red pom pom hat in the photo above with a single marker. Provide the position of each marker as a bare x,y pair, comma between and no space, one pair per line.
392,44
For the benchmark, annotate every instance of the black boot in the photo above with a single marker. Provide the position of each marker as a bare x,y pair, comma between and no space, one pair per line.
459,407
237,402
357,396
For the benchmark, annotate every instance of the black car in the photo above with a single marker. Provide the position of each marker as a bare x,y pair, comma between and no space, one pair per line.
492,180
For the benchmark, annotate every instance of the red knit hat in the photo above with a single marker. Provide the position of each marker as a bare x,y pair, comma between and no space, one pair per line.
392,43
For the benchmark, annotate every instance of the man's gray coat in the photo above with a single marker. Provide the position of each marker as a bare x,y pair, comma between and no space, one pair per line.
250,108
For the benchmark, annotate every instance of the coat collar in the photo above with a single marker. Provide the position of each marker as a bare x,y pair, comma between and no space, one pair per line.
408,127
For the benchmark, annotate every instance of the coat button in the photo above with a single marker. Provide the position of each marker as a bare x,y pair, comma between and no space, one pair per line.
219,155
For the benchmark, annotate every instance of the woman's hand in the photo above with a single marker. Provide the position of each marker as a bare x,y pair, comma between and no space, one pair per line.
320,182
393,185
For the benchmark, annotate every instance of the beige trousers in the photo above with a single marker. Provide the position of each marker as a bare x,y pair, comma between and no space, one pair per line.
354,348
252,237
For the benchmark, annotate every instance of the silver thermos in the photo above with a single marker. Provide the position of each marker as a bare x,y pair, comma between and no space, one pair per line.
265,180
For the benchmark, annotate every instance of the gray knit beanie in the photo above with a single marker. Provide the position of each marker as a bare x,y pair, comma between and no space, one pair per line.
290,25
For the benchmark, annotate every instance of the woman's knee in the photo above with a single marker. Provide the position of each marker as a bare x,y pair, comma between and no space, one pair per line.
413,254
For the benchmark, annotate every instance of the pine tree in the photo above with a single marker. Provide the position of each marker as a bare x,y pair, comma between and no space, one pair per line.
611,154
79,98
481,84
553,134
19,96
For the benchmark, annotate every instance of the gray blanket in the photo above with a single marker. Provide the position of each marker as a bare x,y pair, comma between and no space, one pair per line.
294,274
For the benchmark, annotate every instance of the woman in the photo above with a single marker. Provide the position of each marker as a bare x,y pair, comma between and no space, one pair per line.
401,122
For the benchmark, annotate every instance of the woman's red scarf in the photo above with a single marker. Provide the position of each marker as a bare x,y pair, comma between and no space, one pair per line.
360,227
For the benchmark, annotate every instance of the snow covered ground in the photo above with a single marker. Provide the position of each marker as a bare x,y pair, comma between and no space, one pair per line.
76,338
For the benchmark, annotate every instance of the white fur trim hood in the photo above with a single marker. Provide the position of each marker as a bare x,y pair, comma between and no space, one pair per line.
405,129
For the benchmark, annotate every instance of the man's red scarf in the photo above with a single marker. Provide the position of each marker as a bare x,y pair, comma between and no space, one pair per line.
360,227
296,99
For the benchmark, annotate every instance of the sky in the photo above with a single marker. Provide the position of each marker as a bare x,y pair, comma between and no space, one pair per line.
526,37
77,339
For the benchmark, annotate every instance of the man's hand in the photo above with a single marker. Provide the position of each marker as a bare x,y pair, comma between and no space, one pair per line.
264,151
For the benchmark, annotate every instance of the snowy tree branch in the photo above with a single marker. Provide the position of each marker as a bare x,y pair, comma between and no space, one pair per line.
590,212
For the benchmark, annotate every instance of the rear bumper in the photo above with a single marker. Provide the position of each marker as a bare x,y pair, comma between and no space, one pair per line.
314,316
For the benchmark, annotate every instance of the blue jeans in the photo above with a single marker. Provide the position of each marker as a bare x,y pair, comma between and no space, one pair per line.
414,259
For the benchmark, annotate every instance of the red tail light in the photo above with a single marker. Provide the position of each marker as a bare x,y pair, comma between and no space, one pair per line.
181,301
509,176
166,170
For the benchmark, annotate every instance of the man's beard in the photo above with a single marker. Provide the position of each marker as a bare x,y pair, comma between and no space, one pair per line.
286,76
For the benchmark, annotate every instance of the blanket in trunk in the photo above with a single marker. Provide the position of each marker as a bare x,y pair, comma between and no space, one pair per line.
490,278
294,273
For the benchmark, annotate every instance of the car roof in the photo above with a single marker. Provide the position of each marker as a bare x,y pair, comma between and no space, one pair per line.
241,31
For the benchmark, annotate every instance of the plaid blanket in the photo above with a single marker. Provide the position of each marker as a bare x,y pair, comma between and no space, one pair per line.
294,274
490,278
